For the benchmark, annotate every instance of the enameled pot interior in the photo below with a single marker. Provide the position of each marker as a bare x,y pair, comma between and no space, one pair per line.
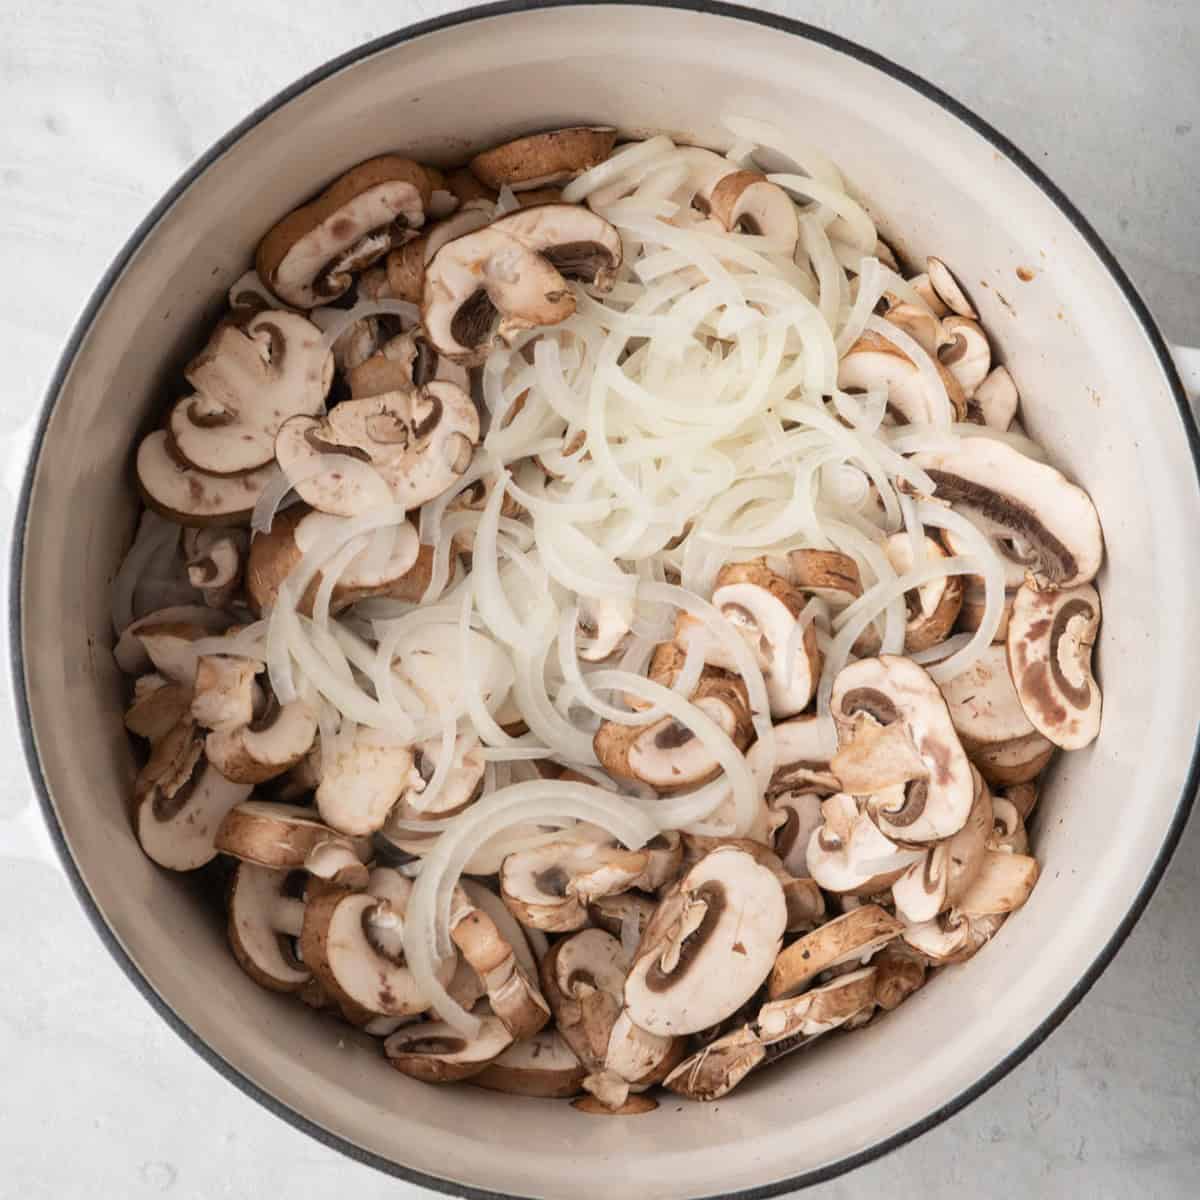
1093,392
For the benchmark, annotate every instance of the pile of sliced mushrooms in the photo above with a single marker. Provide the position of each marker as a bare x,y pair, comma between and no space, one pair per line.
602,623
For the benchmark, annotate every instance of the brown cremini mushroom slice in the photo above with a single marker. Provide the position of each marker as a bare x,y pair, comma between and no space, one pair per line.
214,559
948,290
744,202
875,364
1002,884
919,323
622,913
248,380
899,972
544,159
435,1052
543,1066
921,285
488,285
406,264
1034,503
224,693
462,787
273,742
362,777
848,855
158,707
577,243
1023,797
583,979
709,946
1049,646
952,937
264,922
130,653
604,626
401,364
965,353
1019,761
934,606
925,788
311,256
855,935
280,836
995,401
173,488
1008,827
177,819
418,443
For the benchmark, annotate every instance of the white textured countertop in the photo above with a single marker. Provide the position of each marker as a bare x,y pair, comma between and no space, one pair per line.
104,105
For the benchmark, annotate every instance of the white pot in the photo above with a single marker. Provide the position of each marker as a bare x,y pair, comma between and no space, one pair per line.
1098,389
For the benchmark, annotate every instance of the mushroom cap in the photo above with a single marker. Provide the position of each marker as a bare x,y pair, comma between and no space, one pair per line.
361,779
828,574
716,1069
265,747
263,920
418,442
995,401
792,1021
541,159
1031,500
965,353
583,979
888,691
309,257
487,285
934,606
278,836
175,489
1049,647
848,855
854,935
435,1052
578,243
709,947
178,831
875,364
249,380
984,704
744,201
543,1066
899,972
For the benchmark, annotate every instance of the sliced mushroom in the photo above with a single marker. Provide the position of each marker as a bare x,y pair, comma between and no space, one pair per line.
966,353
406,265
224,692
709,946
854,936
1032,501
279,836
435,1052
745,202
340,862
604,625
214,562
717,1068
1008,827
264,921
919,323
995,401
355,344
543,1066
401,364
1017,554
1019,761
418,442
583,978
159,709
622,912
249,380
1003,883
544,159
488,285
921,285
952,937
948,289
177,820
934,606
130,653
463,785
311,256
925,788
270,744
175,489
1050,640
875,364
1023,797
362,777
577,243
848,855
899,972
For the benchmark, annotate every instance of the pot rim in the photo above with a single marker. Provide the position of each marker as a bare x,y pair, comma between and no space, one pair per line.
113,273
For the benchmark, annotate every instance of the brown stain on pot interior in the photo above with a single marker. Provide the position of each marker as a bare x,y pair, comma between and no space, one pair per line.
1025,274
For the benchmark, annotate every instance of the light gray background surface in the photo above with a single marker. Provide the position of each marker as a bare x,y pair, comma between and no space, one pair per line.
103,104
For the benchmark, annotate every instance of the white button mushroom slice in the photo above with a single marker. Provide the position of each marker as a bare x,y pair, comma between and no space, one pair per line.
157,710
272,743
1008,827
418,443
763,608
948,290
889,691
934,606
310,257
354,943
1049,645
264,921
224,692
362,777
340,862
827,574
406,265
995,401
875,364
709,947
280,836
583,980
539,159
463,787
435,1052
948,868
249,380
666,754
801,818
966,353
1019,761
171,648
511,989
174,489
578,243
543,1066
848,855
1003,883
178,830
1032,501
604,626
919,323
743,201
488,285
129,652
899,972
852,937
214,562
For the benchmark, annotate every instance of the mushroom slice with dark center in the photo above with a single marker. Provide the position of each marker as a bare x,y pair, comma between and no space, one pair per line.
264,921
487,285
406,264
1035,503
177,826
403,363
745,202
995,401
543,1065
934,606
362,777
854,936
354,943
435,1052
265,747
1049,647
543,159
577,242
965,353
214,562
175,489
604,626
798,814
948,290
310,257
249,380
848,855
280,836
889,691
919,323
875,364
709,947
583,978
